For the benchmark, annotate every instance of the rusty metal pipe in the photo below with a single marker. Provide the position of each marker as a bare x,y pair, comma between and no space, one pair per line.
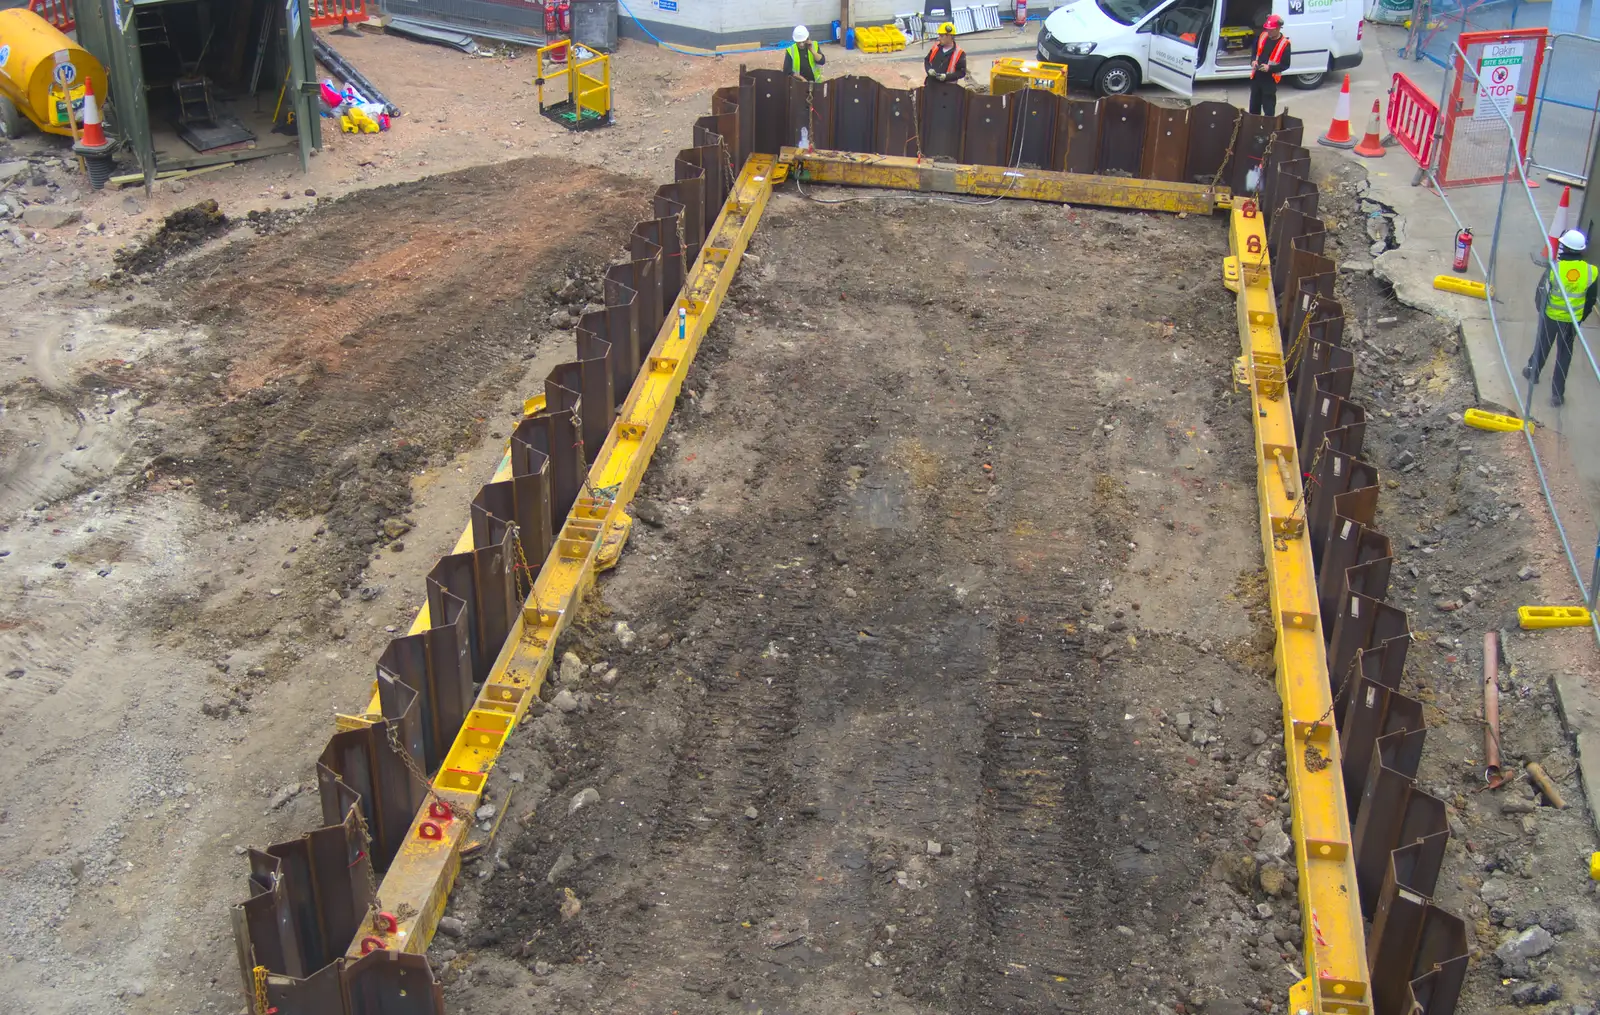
1492,773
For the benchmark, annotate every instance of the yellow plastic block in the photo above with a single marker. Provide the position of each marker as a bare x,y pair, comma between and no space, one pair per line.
1538,618
1494,421
1594,866
1464,286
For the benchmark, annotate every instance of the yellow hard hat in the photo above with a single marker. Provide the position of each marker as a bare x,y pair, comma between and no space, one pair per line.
947,29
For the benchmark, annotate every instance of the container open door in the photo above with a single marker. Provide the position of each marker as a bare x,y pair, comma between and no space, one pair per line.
1178,38
109,30
302,79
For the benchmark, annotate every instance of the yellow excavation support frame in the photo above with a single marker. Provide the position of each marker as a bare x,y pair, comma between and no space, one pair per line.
854,169
418,882
1337,981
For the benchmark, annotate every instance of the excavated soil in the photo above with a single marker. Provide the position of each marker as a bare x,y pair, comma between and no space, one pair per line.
948,688
357,342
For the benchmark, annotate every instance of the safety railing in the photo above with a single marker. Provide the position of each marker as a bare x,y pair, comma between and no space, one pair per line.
1412,119
328,13
60,13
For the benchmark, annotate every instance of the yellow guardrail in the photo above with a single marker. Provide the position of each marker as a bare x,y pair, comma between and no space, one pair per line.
418,882
1338,981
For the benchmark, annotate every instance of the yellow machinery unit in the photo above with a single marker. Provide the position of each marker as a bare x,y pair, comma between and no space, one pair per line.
1011,74
28,88
587,77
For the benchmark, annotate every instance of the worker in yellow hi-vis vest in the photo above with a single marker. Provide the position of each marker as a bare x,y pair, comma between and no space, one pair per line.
1566,295
804,57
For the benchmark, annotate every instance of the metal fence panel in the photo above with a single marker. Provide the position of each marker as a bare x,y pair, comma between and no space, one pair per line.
1568,108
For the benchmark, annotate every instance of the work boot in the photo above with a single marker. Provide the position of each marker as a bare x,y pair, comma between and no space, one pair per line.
1556,400
1528,373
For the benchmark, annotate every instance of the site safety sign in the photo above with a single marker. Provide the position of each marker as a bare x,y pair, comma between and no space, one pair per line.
1498,74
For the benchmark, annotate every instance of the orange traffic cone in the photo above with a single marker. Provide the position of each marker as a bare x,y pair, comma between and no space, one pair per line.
1371,146
1558,225
93,144
1338,135
94,134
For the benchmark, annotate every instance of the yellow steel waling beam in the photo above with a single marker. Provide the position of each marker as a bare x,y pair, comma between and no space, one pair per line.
897,173
418,882
1337,980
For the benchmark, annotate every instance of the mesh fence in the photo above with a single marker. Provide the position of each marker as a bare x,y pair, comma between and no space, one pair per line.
1565,114
1560,390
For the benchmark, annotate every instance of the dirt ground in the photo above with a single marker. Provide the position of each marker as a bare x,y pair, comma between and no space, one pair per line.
950,689
941,552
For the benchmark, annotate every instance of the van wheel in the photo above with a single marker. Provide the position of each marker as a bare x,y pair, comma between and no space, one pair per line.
1116,77
11,119
1306,82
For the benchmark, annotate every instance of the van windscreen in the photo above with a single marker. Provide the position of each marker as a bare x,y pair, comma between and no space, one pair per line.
1127,12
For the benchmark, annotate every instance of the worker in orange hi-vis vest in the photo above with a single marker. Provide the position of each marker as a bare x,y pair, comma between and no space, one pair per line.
1266,70
945,61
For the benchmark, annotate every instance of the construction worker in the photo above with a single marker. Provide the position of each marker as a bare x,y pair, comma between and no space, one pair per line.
804,57
1571,279
1266,70
945,61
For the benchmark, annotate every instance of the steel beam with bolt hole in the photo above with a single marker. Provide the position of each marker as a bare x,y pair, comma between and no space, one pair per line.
418,882
1337,981
855,169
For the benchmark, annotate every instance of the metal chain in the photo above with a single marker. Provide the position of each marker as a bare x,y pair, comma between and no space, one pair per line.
1297,347
1227,156
1310,479
916,125
263,1006
523,571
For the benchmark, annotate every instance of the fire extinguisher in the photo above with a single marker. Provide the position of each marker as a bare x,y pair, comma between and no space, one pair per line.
1022,13
552,20
566,16
1463,249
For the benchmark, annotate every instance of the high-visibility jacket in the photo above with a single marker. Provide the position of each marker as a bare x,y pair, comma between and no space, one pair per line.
802,66
952,62
1574,279
1280,53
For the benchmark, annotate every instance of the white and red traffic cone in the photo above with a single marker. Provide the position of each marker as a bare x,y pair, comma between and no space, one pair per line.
92,143
1559,224
1371,146
1338,135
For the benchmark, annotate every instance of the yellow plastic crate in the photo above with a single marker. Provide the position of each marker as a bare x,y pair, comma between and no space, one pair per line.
885,39
1012,74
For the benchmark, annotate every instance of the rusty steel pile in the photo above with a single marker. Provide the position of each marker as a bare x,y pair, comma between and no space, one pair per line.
313,937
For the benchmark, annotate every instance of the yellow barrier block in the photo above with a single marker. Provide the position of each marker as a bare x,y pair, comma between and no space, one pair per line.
1338,980
1495,421
1539,618
1464,286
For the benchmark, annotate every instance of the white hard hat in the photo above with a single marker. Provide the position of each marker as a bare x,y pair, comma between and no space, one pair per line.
1574,240
801,33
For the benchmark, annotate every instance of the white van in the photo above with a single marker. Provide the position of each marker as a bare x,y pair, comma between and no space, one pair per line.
1114,45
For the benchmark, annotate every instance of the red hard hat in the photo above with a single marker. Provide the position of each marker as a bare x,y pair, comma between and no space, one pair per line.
1273,21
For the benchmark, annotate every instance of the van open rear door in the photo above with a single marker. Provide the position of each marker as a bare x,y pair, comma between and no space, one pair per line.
1178,37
